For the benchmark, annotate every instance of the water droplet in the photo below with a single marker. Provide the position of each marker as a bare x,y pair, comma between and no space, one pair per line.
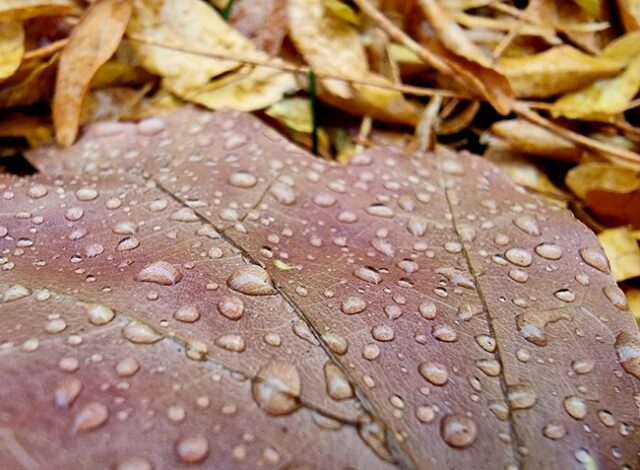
187,314
338,386
595,258
276,388
549,251
15,292
380,210
444,333
192,449
86,194
99,314
521,396
352,305
67,391
336,343
616,297
565,295
231,342
74,214
160,272
196,350
458,431
129,243
231,307
519,256
242,179
185,214
425,413
69,364
134,463
251,279
324,200
367,274
370,352
127,367
554,430
382,333
628,349
428,310
90,417
434,373
527,224
283,193
141,333
486,342
55,326
583,366
576,407
37,191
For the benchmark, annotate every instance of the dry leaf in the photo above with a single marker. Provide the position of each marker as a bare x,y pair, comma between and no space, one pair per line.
274,291
633,298
333,47
295,113
16,10
524,136
554,71
611,191
192,25
622,249
36,130
451,34
33,82
629,13
11,47
91,44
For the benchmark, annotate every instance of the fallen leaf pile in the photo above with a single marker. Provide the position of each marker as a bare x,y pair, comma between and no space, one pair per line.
195,290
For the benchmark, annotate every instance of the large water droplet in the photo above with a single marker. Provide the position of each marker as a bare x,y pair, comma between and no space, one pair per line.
67,391
458,431
251,279
628,349
242,179
99,314
367,274
160,272
434,372
576,407
141,333
595,258
519,256
192,449
231,307
352,305
276,388
338,386
528,224
90,417
187,314
521,396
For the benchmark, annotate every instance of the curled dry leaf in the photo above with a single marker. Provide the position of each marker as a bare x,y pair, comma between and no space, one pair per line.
451,34
91,44
295,113
31,83
555,71
11,47
397,310
621,247
610,191
333,46
629,14
192,25
16,10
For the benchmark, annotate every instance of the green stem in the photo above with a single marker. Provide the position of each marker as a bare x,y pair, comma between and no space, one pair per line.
226,11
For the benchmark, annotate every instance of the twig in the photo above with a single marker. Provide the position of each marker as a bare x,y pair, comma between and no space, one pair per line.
613,153
45,50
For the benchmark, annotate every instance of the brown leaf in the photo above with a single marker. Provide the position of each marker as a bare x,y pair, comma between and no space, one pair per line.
91,44
409,304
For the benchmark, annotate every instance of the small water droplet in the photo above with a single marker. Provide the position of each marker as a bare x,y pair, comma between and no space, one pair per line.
160,272
242,179
352,305
99,314
231,307
458,431
192,449
595,258
141,333
367,274
90,417
519,256
576,407
338,386
434,373
187,314
231,342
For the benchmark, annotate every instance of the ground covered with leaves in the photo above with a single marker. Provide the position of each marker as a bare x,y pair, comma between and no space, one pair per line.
385,299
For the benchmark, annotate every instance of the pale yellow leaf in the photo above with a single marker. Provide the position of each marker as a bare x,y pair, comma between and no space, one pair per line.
555,71
342,11
11,47
91,44
192,29
623,252
629,14
25,9
604,176
333,47
295,113
32,82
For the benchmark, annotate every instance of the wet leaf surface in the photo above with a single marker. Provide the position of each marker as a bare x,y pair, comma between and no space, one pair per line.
197,290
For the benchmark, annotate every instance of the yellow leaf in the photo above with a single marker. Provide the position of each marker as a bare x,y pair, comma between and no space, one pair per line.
295,113
11,47
189,26
606,97
592,7
633,299
91,44
342,11
402,55
25,9
32,82
623,252
333,47
36,130
451,34
555,71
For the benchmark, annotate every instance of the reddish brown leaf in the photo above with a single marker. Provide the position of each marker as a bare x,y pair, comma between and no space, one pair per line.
437,314
90,45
